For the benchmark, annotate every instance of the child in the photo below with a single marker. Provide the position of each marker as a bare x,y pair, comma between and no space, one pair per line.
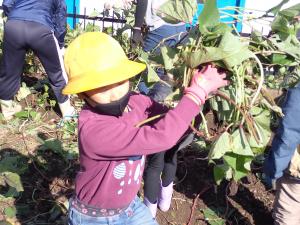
112,147
161,167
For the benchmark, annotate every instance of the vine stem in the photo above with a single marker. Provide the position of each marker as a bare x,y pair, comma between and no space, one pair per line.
245,116
167,38
261,82
205,124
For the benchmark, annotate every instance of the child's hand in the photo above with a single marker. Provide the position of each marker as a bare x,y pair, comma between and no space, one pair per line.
205,82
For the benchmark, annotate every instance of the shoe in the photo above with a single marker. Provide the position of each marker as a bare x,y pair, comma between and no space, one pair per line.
9,108
164,201
67,110
152,206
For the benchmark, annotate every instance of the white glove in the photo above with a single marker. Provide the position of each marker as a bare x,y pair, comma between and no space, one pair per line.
62,51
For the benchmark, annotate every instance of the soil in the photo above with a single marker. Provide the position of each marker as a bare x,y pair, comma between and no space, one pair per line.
196,191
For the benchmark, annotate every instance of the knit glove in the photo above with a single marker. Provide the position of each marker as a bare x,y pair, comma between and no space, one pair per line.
205,82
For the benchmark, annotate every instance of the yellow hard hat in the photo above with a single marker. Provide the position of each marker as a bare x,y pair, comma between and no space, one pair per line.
94,60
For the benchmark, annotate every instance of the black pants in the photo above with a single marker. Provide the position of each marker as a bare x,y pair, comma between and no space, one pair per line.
161,168
19,36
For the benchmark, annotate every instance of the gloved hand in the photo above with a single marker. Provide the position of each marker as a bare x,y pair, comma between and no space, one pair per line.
205,82
137,38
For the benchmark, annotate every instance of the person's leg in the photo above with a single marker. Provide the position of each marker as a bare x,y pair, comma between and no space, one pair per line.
169,172
287,202
12,63
45,46
152,173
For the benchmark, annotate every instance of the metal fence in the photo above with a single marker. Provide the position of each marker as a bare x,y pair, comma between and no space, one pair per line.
112,19
107,18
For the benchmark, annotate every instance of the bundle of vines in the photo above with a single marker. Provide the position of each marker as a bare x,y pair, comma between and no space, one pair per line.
255,63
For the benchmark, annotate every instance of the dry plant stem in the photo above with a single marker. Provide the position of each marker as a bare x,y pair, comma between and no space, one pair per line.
195,203
199,133
150,119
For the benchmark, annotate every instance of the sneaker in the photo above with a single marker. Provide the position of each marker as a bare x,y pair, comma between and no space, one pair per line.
164,201
152,206
9,108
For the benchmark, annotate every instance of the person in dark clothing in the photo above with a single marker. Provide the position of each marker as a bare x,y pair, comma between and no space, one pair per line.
39,25
161,167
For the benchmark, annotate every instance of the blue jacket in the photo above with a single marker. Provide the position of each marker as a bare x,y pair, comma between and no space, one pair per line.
287,137
51,13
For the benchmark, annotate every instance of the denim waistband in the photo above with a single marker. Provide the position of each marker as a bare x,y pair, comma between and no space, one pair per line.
94,211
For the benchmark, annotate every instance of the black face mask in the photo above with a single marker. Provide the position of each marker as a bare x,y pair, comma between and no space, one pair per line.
115,108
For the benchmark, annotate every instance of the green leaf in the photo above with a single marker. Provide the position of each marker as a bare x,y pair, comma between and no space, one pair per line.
291,12
262,120
23,92
276,8
212,218
210,16
280,24
175,11
239,164
234,51
152,76
205,55
221,146
22,115
10,212
53,144
14,164
219,173
170,56
240,144
281,59
13,180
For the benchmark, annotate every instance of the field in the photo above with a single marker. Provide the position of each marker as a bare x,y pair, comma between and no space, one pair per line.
219,177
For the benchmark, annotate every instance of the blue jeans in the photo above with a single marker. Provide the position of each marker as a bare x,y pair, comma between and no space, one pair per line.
137,213
160,90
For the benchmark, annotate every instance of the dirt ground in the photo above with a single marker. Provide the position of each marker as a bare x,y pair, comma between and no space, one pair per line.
197,200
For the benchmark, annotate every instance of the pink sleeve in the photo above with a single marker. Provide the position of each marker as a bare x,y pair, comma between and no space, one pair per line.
117,140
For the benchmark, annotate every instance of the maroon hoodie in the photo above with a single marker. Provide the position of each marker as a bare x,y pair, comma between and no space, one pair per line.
112,149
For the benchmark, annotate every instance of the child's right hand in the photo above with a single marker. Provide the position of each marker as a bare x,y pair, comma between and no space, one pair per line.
204,82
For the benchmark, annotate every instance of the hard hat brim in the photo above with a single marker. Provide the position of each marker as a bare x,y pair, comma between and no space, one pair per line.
96,79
